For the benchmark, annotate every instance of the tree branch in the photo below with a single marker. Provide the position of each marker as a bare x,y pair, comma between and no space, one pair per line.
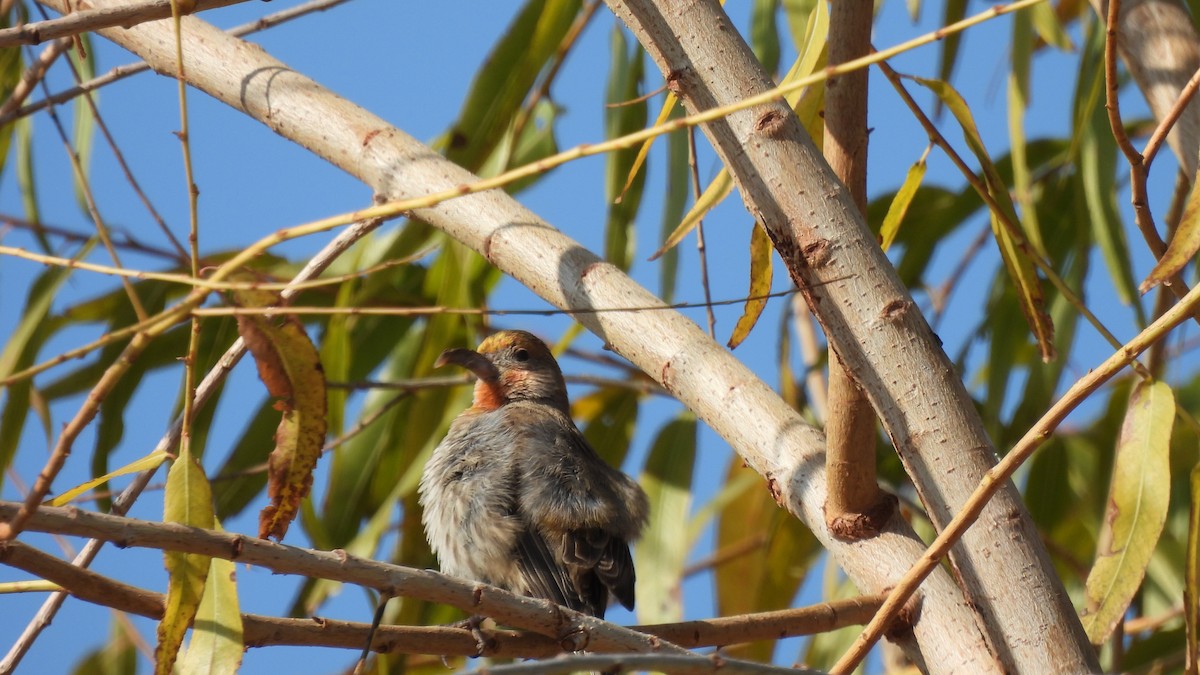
263,631
573,630
874,326
85,20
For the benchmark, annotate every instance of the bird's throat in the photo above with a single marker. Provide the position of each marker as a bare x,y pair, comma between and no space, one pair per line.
488,395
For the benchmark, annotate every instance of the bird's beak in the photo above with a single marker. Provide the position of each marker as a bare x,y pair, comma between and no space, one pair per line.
471,360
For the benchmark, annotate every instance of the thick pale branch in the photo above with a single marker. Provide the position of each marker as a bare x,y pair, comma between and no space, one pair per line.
874,326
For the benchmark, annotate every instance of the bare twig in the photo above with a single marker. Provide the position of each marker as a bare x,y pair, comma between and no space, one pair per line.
121,72
204,391
575,628
33,76
83,21
701,250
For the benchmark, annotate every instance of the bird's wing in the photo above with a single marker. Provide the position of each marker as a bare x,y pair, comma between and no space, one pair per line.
547,576
584,510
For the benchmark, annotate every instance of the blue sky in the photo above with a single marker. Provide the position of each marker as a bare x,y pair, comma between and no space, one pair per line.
411,63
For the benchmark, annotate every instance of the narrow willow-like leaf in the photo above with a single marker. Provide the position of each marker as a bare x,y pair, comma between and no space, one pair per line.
85,121
21,350
1182,247
1097,175
764,34
674,202
501,85
953,11
624,115
903,199
1191,594
150,461
187,501
1016,259
10,75
1018,102
714,194
1137,508
26,181
290,367
760,284
662,551
217,643
914,9
1049,28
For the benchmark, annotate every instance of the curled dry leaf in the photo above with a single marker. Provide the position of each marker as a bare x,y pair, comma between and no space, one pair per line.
290,367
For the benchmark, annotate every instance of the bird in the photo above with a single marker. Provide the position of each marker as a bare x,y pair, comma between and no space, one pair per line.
515,497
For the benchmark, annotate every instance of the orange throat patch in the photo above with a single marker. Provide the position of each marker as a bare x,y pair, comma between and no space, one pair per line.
488,395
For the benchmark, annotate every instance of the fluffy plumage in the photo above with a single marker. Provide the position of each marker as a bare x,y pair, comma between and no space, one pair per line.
515,497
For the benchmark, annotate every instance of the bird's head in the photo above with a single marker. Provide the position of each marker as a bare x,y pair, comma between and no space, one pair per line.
511,365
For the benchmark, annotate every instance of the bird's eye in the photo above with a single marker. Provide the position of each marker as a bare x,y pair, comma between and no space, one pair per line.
521,355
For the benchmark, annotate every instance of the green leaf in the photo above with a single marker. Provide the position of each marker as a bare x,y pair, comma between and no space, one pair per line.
609,416
1137,508
187,501
85,122
1049,28
764,33
765,554
150,461
506,78
761,250
662,551
622,116
1191,593
21,350
900,203
217,644
1013,251
674,202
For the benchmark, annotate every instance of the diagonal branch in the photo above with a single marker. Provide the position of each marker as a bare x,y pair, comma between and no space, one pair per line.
876,329
86,20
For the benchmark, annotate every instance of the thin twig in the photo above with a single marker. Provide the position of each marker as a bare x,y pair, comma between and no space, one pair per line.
87,20
93,209
32,76
125,240
701,251
121,72
324,258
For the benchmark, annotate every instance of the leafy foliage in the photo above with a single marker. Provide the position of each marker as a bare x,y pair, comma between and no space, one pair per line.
1114,492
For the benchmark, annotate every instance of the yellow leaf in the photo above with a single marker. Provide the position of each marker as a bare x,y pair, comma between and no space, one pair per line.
1013,250
150,461
1137,508
1181,249
900,203
217,643
760,284
187,501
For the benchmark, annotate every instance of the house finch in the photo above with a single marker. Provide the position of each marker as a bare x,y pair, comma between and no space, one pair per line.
515,497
